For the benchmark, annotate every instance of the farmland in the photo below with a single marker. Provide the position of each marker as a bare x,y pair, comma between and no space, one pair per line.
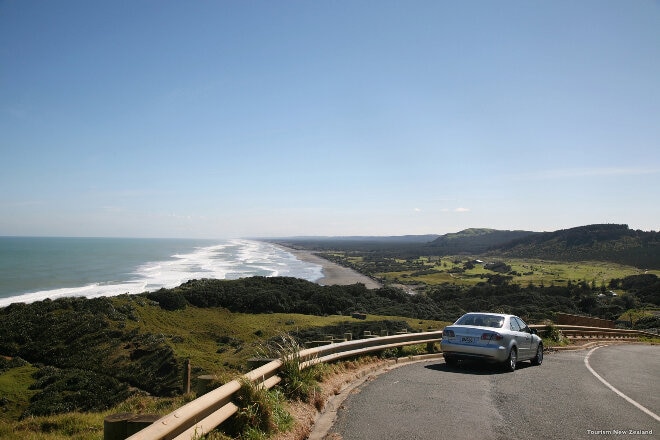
463,271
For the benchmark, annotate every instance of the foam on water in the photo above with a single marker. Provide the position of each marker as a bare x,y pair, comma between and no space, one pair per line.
230,260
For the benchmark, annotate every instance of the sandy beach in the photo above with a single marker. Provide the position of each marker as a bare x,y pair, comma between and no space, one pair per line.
333,274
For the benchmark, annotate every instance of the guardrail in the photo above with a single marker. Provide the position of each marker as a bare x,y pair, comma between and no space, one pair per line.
208,411
581,332
205,413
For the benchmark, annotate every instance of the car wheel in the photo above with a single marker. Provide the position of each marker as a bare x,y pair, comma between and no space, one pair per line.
510,363
452,362
538,359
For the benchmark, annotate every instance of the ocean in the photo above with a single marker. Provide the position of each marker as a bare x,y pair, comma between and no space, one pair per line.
36,268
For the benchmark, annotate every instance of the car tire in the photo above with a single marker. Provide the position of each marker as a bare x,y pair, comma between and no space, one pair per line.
452,362
538,359
510,363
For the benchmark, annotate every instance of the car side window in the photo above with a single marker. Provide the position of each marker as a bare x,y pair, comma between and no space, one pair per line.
523,326
513,325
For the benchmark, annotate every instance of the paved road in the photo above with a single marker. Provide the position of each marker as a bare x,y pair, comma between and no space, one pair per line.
561,399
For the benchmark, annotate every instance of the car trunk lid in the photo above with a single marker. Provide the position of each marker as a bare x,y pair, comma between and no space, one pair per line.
472,335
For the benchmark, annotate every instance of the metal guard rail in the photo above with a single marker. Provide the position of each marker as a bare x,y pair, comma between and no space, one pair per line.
205,413
208,411
578,331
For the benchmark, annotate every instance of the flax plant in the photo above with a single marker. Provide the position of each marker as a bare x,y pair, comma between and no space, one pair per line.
299,376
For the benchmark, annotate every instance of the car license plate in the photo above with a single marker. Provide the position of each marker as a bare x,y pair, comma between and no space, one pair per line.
467,340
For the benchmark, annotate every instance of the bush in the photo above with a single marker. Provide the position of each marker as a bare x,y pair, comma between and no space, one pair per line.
67,390
169,299
298,383
553,334
260,413
7,364
646,322
80,333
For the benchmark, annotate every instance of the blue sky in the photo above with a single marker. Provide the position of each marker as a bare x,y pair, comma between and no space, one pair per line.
228,119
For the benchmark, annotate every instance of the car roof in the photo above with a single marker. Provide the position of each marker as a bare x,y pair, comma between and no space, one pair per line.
503,315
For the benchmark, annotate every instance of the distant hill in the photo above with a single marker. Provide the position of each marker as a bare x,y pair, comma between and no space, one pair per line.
362,238
600,242
401,245
475,241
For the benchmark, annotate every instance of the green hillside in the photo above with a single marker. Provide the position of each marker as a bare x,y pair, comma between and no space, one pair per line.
89,355
599,242
474,241
604,242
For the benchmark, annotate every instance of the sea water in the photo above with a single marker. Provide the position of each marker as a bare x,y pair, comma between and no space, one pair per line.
36,268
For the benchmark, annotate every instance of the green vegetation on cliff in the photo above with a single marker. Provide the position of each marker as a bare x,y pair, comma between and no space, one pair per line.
89,355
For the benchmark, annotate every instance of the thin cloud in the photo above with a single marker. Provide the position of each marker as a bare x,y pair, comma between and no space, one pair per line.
459,209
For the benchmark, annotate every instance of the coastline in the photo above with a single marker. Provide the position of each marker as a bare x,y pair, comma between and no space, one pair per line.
333,273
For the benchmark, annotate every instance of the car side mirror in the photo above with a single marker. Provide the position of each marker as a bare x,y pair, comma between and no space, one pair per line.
533,331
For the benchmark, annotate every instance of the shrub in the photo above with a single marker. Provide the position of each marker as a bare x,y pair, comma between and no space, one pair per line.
298,383
169,299
261,412
389,353
553,334
7,364
67,390
646,322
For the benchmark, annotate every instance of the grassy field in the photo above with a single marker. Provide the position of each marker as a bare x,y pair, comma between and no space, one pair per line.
538,272
14,391
219,342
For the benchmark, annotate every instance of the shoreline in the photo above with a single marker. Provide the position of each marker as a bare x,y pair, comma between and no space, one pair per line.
333,273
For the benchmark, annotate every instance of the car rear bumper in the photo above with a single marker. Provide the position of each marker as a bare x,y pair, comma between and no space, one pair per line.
464,351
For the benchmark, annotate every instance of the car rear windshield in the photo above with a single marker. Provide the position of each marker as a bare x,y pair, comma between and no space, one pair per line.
482,320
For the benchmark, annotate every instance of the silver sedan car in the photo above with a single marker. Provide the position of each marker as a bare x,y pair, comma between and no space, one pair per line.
492,337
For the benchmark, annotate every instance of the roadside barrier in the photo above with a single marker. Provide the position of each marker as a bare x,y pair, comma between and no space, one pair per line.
205,413
583,332
208,411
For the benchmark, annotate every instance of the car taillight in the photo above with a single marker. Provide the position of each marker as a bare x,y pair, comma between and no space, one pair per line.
448,333
491,337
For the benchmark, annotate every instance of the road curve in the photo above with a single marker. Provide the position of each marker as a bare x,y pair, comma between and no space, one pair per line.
561,399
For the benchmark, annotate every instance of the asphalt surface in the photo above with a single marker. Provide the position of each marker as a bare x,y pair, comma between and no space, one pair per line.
561,399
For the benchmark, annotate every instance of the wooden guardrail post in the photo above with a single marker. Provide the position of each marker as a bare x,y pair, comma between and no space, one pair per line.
204,384
186,377
139,422
123,425
114,426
